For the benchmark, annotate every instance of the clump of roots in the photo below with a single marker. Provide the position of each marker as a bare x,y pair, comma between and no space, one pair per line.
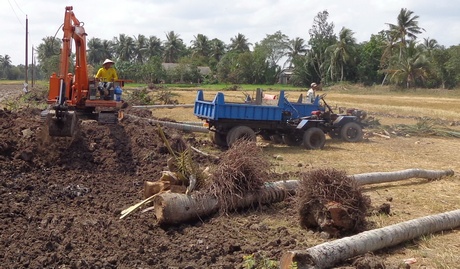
332,202
242,170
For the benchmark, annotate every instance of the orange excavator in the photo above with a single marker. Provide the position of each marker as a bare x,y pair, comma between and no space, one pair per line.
74,96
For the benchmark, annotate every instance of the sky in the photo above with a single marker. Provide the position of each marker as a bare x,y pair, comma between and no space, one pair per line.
222,19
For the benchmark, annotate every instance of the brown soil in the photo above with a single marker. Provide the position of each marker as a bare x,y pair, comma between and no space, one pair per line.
61,200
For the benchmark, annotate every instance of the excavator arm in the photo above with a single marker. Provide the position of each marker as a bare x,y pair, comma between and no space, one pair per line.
67,91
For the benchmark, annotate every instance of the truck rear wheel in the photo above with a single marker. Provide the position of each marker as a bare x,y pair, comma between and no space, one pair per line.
314,138
240,132
351,132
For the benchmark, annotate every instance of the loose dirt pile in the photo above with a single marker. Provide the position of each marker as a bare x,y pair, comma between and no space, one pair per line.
62,198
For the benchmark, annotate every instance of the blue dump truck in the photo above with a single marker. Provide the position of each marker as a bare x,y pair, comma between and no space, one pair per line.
276,118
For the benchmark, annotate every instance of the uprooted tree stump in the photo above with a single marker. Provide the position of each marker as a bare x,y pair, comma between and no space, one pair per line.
332,202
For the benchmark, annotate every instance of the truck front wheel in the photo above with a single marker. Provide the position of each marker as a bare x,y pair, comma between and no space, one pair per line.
240,132
351,132
314,138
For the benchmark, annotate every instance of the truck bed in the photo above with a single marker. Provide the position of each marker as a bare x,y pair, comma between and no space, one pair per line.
219,109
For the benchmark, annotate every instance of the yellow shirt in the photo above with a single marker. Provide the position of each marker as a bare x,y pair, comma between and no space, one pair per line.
107,75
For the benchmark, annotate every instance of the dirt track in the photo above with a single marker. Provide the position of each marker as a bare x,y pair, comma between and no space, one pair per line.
61,201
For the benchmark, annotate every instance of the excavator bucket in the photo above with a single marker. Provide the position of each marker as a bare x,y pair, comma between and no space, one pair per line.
66,125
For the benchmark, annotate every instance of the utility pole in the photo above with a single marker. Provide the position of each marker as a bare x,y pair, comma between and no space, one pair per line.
27,60
33,66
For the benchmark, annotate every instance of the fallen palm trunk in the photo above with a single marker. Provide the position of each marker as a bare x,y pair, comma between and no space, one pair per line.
174,125
330,253
380,177
173,208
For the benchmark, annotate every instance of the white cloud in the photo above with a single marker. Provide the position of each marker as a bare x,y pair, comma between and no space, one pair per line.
222,19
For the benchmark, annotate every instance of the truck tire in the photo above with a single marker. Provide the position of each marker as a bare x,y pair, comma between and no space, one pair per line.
218,138
314,138
240,132
351,132
292,140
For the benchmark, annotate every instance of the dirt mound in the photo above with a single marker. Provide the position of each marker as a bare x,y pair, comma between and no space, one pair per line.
62,198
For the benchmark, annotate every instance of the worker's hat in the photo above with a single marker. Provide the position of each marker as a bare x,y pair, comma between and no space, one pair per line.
108,61
313,84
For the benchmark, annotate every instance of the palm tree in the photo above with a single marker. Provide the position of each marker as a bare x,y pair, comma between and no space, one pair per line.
406,27
5,64
95,51
140,48
411,68
174,46
201,46
124,47
342,52
154,47
217,49
48,54
239,43
429,45
297,47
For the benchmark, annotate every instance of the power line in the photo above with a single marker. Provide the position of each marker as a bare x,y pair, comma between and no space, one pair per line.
15,12
19,7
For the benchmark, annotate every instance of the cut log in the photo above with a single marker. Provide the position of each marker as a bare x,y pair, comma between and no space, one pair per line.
173,208
381,177
328,254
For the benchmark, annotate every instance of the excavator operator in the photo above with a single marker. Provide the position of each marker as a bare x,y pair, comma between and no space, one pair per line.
106,75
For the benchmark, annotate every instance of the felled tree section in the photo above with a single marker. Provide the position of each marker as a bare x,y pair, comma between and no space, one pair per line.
242,170
332,202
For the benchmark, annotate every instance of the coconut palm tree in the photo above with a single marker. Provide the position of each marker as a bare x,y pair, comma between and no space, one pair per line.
174,47
411,68
200,46
217,49
96,53
154,47
406,27
124,47
342,52
296,48
140,48
239,43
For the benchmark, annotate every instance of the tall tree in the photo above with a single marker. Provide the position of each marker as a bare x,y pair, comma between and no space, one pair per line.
405,28
412,68
174,47
48,55
140,49
96,53
342,52
321,37
276,46
239,43
296,48
124,47
200,46
154,47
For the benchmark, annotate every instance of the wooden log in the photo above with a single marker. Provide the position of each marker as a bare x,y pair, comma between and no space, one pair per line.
381,177
173,208
328,254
